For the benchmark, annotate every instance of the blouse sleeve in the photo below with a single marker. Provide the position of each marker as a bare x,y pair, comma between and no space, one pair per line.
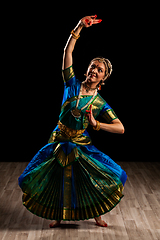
69,76
71,84
108,114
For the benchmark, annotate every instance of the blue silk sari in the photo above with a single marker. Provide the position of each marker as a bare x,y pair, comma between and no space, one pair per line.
69,178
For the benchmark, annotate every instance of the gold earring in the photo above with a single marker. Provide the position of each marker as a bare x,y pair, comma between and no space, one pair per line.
102,83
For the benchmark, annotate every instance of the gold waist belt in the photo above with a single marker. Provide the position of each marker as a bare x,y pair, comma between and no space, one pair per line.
69,131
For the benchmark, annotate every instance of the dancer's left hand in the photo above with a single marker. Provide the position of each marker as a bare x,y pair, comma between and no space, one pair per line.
91,119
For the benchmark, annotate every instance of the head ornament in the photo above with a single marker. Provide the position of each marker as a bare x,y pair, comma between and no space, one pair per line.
107,64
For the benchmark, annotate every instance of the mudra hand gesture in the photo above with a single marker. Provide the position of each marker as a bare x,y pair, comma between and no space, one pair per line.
88,21
91,119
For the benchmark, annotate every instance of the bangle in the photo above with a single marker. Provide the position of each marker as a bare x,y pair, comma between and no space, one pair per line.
97,128
74,35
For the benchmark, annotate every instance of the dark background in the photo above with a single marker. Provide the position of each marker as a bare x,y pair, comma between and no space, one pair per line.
33,44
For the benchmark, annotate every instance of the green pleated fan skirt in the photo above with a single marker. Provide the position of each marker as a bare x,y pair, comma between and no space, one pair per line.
83,189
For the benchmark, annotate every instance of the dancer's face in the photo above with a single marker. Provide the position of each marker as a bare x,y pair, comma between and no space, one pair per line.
96,72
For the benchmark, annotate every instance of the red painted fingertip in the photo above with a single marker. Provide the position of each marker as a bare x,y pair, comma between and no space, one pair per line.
100,20
95,16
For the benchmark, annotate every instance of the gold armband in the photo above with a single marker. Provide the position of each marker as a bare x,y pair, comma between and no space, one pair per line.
74,35
97,128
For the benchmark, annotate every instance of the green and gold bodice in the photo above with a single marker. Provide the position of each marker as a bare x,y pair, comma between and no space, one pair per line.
71,90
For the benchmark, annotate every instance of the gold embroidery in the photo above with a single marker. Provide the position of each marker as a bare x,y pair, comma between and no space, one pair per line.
67,193
97,105
60,137
67,212
68,134
69,131
72,99
109,115
62,158
67,74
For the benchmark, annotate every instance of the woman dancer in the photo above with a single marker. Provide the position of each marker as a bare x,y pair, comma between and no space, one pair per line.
69,178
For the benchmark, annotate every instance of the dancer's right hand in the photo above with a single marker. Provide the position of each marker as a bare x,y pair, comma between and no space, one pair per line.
88,21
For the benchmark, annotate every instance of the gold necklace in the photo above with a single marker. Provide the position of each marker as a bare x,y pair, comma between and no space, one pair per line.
77,112
88,88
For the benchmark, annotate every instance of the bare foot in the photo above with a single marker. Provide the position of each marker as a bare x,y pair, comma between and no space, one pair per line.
54,224
100,222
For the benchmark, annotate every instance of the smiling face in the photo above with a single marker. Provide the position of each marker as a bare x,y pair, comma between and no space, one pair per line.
95,72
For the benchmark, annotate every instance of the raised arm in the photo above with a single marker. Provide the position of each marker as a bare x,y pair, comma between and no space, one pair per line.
87,21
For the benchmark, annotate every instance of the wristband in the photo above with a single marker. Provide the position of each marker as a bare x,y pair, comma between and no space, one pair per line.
97,128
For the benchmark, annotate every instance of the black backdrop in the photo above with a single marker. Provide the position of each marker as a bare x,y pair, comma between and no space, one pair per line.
36,36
